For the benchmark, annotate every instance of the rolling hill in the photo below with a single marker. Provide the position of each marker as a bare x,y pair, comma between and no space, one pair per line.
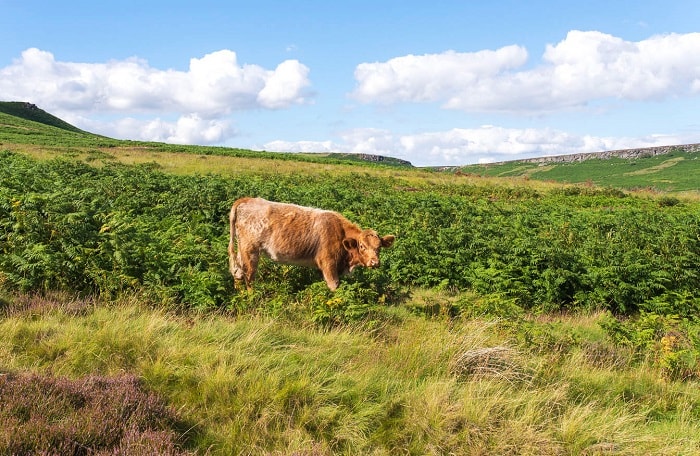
29,111
669,169
25,123
672,169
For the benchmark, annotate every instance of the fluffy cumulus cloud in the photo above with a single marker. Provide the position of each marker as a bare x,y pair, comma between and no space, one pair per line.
461,146
213,87
186,129
214,84
285,86
586,68
189,129
432,77
583,68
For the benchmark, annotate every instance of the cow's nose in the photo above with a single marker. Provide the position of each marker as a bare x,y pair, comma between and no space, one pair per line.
373,263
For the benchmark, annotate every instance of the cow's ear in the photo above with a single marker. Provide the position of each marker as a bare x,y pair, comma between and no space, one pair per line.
350,243
388,240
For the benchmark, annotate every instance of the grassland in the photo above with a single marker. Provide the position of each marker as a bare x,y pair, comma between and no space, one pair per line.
424,368
673,172
45,136
260,385
27,111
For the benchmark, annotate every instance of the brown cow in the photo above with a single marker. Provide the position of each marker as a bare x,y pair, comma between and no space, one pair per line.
298,235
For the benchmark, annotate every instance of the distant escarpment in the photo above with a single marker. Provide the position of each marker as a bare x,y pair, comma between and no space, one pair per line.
620,153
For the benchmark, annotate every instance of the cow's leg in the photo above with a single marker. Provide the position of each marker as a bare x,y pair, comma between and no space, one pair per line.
244,264
330,275
234,264
248,260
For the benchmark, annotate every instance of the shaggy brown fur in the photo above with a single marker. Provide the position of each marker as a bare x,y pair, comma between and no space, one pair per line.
298,235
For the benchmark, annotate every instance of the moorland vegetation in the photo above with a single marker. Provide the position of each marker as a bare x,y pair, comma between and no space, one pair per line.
510,317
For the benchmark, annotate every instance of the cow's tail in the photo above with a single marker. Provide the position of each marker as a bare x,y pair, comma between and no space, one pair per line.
234,267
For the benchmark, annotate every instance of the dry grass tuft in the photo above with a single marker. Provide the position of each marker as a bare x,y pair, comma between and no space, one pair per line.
605,356
490,362
601,449
32,305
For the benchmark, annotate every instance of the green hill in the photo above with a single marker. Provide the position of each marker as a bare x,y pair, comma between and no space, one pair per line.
677,169
31,112
25,123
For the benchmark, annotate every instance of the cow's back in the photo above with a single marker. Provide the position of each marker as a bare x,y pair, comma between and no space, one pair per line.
287,233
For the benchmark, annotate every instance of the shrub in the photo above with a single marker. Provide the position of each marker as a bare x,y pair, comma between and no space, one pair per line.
669,342
491,306
349,303
668,201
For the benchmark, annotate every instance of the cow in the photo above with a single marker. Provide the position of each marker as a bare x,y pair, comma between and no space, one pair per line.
298,235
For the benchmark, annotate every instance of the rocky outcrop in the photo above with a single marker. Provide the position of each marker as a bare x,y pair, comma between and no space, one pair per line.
621,153
381,158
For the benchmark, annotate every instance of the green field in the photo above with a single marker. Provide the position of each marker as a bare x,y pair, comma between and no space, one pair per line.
512,315
33,130
674,172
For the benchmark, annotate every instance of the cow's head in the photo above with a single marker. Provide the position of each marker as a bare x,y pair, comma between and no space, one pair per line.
363,250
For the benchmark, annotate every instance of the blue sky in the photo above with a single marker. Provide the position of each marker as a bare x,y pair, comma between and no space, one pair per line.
435,83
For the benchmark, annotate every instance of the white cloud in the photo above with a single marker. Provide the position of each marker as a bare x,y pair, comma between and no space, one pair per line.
594,65
214,85
301,146
194,106
285,86
187,129
460,146
584,67
192,129
432,77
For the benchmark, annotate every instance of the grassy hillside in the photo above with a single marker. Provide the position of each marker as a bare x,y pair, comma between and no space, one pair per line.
33,113
677,171
26,128
510,317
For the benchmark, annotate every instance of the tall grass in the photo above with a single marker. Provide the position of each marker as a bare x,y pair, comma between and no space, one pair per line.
256,385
